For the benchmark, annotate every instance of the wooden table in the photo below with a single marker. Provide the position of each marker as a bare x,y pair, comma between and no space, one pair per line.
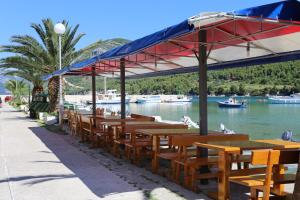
125,123
157,133
130,127
127,127
112,125
226,149
107,117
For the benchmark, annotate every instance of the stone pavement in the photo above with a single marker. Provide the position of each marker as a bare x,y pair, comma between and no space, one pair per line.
36,164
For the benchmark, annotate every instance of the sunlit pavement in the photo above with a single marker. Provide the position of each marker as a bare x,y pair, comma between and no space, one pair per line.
38,165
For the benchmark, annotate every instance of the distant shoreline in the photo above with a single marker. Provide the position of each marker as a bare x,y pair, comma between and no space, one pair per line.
88,97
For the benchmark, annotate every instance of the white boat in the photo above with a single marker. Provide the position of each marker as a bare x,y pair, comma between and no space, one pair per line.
110,97
293,99
77,106
179,99
149,99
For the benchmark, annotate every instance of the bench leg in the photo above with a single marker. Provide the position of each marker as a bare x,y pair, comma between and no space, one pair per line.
177,173
187,177
253,193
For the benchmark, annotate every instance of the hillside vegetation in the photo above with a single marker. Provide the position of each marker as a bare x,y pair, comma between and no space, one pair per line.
279,78
103,45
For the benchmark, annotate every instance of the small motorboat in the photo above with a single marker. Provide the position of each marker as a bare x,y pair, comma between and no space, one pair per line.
149,99
179,99
293,99
232,103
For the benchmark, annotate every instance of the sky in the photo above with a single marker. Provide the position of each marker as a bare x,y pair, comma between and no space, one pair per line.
106,19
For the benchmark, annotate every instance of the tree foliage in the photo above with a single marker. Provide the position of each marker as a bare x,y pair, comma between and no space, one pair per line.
282,78
18,89
40,55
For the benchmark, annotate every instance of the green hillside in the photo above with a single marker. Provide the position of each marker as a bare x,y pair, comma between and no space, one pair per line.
283,78
104,45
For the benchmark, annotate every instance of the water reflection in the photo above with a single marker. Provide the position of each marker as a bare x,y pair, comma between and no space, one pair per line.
259,119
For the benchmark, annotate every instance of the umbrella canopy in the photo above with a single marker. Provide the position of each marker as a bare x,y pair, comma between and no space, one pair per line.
257,35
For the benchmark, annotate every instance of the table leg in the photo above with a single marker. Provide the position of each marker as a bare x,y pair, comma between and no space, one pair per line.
279,187
155,149
223,183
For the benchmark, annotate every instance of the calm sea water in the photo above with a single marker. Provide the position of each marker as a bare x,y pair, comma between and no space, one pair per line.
260,120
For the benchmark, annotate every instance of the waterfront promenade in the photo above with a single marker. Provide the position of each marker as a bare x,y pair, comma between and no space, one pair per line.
36,164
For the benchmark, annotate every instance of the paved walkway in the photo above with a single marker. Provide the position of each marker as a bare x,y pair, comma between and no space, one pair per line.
36,164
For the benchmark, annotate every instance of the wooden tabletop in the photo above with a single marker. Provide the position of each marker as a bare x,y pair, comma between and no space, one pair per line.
107,117
282,143
236,146
171,131
131,123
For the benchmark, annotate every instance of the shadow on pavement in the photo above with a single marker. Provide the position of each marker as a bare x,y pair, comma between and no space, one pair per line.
38,179
87,170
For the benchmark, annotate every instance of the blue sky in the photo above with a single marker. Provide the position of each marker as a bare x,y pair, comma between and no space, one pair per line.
107,19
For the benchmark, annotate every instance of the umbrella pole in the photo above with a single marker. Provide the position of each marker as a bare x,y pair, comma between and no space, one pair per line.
122,77
94,92
202,58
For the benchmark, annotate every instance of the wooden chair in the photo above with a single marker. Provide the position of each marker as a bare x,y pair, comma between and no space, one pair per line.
93,132
106,136
188,159
140,144
69,120
74,123
264,178
85,128
99,133
100,111
296,193
66,118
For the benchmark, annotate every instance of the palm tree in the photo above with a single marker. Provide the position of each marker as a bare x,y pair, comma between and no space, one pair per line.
42,57
17,88
30,75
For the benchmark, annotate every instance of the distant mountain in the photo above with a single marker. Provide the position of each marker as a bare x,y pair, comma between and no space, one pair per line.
102,46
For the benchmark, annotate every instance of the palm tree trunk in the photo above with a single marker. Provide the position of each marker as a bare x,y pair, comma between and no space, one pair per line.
53,87
36,89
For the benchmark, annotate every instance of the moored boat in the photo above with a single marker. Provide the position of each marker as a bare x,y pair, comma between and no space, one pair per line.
179,99
110,97
149,99
293,99
232,103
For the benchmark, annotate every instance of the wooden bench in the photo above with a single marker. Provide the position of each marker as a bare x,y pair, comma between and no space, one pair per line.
191,162
270,173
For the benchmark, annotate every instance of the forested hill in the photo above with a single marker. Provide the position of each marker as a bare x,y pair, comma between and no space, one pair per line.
104,45
283,78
